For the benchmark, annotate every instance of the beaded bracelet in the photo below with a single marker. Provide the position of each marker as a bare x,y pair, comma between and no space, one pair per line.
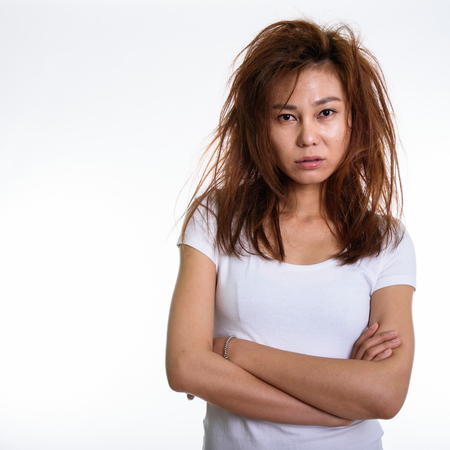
226,347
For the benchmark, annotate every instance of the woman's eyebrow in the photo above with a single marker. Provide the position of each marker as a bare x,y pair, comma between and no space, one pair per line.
322,101
283,106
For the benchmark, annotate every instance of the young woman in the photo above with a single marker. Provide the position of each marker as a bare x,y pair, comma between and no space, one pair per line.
291,314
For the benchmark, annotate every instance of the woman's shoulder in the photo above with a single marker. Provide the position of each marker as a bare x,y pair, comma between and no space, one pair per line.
396,263
200,228
397,238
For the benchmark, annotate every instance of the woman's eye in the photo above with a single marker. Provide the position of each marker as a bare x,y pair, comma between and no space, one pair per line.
326,112
286,117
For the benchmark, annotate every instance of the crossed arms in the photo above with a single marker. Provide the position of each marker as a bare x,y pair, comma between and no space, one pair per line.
269,384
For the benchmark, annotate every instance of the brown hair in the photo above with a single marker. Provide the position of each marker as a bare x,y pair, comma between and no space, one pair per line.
242,185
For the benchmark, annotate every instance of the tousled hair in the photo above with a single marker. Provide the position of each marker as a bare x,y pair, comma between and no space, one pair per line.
242,185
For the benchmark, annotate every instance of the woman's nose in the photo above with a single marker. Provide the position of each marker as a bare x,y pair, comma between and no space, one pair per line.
307,134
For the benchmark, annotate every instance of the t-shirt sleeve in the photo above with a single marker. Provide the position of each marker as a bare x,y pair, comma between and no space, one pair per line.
200,233
399,265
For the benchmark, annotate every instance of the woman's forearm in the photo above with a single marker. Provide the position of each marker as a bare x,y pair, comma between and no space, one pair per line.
346,388
227,386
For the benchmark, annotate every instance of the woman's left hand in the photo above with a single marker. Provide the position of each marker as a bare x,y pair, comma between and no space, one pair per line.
371,347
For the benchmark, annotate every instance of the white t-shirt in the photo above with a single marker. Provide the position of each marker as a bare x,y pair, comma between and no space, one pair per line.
318,309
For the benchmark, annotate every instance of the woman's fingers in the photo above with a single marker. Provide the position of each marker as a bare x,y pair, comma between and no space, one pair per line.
381,351
375,346
371,347
383,355
364,337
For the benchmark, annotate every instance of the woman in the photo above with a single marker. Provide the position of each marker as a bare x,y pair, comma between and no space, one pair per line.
291,257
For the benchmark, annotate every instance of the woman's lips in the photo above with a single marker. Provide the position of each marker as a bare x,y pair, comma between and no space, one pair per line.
310,162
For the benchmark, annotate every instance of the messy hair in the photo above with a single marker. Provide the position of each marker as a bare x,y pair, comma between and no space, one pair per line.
242,185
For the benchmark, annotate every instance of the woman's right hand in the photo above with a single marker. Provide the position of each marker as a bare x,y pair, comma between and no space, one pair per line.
371,347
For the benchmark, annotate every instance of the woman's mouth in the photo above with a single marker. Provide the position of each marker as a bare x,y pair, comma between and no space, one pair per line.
310,162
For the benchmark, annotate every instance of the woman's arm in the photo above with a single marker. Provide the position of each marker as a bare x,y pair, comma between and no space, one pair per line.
193,367
356,389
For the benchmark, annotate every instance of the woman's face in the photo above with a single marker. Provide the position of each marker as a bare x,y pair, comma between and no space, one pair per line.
311,132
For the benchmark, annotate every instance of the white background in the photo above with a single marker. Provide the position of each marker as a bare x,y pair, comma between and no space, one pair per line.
105,107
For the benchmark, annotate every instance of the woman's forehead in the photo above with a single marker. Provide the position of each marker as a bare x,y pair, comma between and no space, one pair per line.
311,82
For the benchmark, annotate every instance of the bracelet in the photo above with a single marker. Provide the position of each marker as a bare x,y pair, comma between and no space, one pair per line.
226,347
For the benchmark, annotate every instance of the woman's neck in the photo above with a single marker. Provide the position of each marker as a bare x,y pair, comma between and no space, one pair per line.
304,202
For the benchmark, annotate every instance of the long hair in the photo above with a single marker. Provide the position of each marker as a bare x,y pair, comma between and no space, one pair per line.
242,185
